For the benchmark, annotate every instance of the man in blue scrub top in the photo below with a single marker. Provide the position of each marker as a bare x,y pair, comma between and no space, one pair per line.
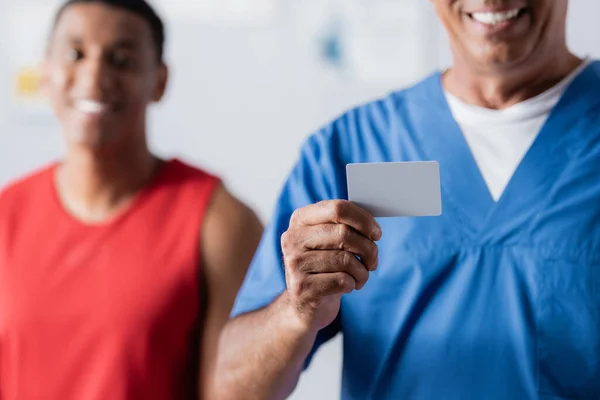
499,298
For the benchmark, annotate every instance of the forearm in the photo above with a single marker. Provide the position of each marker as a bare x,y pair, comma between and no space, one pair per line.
262,354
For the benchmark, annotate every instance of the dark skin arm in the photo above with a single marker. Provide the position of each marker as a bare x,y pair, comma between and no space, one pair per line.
231,234
262,353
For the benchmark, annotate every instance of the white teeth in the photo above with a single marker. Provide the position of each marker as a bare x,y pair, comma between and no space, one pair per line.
90,106
493,18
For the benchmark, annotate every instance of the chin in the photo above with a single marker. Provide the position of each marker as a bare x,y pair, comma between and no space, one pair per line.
91,139
501,57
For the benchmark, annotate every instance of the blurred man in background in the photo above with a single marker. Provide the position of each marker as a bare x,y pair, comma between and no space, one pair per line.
117,269
497,299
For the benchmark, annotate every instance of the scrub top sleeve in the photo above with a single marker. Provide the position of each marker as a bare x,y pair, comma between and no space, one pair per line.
309,182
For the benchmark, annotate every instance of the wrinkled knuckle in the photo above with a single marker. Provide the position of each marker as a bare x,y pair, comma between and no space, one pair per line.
342,281
298,283
290,242
345,282
286,240
292,261
345,259
305,264
337,209
344,233
295,217
322,231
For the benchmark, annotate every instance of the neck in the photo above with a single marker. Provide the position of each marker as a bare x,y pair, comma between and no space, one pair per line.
502,88
95,186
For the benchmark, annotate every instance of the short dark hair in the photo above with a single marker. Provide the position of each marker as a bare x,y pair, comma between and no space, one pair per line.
139,7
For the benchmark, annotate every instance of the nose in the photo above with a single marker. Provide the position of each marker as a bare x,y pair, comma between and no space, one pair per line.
94,78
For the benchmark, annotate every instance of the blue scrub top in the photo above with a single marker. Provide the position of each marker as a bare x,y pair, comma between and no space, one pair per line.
492,300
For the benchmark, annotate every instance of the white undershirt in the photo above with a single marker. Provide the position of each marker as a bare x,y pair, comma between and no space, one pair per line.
499,139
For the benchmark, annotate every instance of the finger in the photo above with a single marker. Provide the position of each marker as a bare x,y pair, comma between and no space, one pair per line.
340,237
333,261
337,212
323,285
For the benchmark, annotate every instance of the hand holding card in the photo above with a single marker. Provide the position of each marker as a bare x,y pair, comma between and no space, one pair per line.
396,189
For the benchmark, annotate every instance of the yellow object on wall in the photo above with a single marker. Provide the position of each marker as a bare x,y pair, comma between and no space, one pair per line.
28,83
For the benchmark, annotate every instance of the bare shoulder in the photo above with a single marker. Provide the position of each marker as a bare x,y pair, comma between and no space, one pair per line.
231,233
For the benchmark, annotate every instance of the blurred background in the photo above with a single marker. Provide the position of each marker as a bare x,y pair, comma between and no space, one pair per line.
250,80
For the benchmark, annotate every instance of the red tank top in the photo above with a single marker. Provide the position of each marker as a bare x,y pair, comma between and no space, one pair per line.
102,312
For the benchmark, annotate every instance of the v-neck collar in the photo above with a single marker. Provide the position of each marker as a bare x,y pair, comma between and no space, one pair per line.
466,194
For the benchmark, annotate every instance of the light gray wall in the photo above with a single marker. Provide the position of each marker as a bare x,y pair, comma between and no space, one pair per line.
241,101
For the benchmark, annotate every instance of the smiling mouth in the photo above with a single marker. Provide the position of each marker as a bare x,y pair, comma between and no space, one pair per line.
91,107
497,17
